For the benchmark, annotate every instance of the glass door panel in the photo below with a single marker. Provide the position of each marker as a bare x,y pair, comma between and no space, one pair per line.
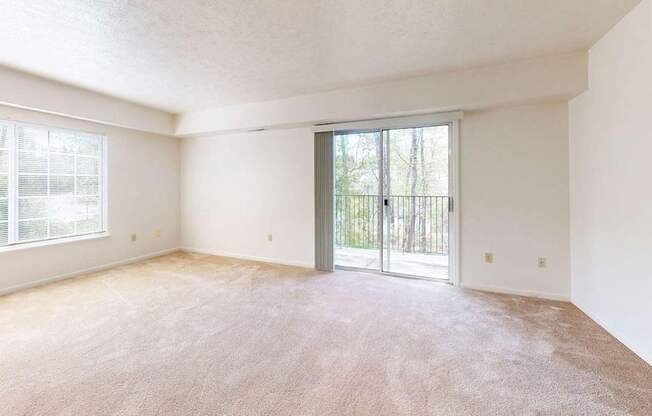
416,201
357,200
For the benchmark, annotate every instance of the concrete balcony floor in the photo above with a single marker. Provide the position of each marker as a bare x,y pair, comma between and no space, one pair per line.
414,264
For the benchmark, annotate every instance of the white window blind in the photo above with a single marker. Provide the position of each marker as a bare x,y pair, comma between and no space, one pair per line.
4,185
53,188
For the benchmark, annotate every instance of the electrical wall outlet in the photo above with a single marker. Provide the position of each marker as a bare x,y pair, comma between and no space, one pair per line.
488,257
133,237
269,237
542,263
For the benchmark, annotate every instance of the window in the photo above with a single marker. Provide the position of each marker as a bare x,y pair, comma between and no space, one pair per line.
51,183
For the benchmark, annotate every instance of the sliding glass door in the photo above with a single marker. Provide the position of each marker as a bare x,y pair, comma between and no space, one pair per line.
357,207
392,200
416,201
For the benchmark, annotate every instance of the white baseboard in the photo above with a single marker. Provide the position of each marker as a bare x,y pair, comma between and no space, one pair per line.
509,291
620,337
15,288
247,257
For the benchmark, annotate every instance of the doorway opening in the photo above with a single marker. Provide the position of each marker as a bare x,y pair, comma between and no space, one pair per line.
393,201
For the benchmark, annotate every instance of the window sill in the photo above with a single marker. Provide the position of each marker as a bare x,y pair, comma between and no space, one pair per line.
53,242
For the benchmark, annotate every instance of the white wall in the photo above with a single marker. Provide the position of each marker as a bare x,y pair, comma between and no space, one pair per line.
514,200
611,176
237,189
143,180
514,170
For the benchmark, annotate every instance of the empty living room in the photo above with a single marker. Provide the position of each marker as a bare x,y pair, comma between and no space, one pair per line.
309,207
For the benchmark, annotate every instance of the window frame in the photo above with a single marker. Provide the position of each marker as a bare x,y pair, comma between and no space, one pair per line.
13,199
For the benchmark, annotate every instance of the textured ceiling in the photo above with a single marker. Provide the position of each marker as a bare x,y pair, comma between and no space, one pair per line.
181,55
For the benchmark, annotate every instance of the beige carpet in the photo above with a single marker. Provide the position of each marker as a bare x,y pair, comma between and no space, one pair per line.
199,335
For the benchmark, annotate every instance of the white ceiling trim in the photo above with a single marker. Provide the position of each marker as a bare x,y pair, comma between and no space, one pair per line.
21,90
425,120
556,77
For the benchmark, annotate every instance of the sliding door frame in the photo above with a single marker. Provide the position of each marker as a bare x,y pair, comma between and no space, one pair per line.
452,120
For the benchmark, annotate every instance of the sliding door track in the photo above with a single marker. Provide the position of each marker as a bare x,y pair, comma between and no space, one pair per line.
399,275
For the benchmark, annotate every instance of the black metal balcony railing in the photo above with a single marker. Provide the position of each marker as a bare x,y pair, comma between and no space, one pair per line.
414,224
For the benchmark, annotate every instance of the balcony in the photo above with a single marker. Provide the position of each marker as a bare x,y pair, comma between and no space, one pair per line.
415,234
